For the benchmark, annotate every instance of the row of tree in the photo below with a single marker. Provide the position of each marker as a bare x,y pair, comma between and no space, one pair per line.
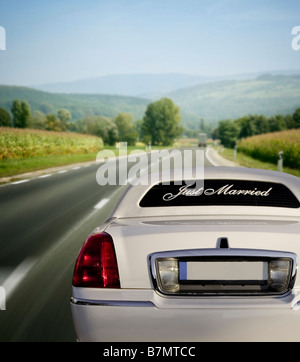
159,126
121,128
229,131
23,118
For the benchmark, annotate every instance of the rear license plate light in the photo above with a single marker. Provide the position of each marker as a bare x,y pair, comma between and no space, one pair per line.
211,272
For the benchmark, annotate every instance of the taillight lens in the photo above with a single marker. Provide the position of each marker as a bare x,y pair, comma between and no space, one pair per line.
96,265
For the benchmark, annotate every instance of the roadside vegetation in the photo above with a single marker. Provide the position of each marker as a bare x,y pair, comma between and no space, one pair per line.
267,147
23,143
159,126
34,140
24,150
260,141
230,132
245,160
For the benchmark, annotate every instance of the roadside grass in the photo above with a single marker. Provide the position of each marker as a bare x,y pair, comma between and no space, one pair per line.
17,166
187,142
27,150
13,167
23,151
247,161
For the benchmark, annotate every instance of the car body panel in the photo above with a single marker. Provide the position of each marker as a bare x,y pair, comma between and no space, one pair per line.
183,319
135,239
139,312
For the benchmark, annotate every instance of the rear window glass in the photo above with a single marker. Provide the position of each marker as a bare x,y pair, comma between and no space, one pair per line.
220,192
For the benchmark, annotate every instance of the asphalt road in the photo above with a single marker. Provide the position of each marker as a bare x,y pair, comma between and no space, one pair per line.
44,222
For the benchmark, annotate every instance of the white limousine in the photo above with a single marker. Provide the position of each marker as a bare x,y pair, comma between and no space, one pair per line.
197,260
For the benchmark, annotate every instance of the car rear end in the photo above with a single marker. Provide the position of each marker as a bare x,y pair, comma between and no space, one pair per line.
192,273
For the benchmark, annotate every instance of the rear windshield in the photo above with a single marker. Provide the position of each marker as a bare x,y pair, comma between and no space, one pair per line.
220,192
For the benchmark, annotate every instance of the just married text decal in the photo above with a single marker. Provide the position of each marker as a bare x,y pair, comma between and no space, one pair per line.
227,189
213,192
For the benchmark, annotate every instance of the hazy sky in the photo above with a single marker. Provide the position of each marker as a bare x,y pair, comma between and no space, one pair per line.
62,40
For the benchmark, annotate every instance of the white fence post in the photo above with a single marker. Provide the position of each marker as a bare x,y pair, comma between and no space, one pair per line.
280,161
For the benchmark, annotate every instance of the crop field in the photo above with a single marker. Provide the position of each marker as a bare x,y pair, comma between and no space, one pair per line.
27,143
266,147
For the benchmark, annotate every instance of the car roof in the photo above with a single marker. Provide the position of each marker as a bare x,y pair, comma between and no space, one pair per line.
129,205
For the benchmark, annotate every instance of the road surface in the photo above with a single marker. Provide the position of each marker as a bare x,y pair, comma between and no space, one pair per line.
44,222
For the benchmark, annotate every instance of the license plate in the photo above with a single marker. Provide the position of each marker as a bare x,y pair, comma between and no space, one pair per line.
223,270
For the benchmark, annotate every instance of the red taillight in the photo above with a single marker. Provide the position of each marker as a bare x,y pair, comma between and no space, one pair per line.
96,265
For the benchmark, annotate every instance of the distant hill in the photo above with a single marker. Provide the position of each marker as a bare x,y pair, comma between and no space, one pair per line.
143,85
211,101
128,84
80,105
267,94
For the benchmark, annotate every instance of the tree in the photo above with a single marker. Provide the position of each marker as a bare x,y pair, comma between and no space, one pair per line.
37,120
296,118
139,128
277,123
228,132
262,124
21,113
16,112
78,126
5,120
52,123
64,116
289,120
161,122
247,126
102,127
126,128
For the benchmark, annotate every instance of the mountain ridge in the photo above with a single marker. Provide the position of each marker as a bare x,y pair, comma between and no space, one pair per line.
144,84
213,101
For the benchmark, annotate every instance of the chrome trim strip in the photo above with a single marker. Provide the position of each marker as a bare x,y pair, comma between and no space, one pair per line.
111,303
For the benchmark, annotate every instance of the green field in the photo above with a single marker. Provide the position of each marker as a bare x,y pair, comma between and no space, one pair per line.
24,150
28,150
262,151
265,147
23,143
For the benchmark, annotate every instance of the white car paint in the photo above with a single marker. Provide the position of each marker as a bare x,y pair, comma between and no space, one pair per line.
138,311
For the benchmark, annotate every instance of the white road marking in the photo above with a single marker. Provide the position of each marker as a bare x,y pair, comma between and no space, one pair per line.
209,159
16,277
19,182
44,176
101,204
